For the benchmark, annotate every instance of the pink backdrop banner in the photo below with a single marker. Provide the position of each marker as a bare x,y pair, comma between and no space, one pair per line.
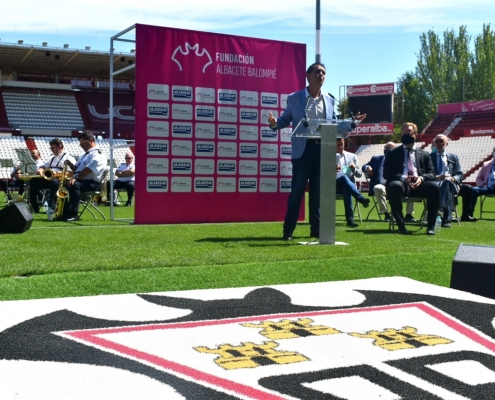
471,106
204,152
370,90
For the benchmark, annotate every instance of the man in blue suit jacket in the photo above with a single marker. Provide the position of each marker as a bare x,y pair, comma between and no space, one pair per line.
374,171
449,177
311,103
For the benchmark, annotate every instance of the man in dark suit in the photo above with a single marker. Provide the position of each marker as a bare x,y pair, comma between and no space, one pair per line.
409,173
374,171
449,177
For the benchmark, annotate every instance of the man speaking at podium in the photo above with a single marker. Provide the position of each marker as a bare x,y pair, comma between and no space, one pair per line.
311,102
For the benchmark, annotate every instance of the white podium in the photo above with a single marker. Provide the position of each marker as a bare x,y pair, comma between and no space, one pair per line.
327,132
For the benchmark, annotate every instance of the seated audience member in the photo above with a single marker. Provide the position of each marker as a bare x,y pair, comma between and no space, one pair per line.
124,178
88,172
449,177
409,173
374,170
56,164
485,182
347,169
16,173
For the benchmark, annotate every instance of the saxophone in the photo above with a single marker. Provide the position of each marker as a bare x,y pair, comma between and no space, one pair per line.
62,194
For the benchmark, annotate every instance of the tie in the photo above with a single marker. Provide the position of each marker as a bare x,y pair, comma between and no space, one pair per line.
441,165
410,167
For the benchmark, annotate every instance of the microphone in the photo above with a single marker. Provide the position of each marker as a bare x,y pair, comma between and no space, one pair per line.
306,122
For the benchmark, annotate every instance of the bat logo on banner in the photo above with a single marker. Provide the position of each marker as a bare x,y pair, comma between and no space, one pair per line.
185,51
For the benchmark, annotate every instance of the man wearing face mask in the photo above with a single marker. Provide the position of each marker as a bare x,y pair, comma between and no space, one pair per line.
485,182
409,172
374,170
449,177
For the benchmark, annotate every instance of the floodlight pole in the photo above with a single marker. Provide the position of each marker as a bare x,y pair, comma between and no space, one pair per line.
317,44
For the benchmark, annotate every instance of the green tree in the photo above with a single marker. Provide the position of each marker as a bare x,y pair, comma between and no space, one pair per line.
482,84
411,102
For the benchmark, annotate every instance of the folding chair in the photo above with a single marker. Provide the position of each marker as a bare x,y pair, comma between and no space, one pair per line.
482,201
87,199
341,197
422,218
373,199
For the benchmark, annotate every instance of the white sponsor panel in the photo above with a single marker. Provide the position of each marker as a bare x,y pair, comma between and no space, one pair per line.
204,184
265,114
269,100
182,129
204,149
226,185
204,166
158,92
227,149
157,147
227,96
249,116
156,184
228,132
182,93
268,150
248,185
182,111
205,131
248,132
182,166
268,185
205,113
226,167
227,114
205,95
285,151
285,168
158,110
285,185
248,150
248,167
248,98
283,101
268,134
181,148
285,135
157,128
179,184
157,165
268,168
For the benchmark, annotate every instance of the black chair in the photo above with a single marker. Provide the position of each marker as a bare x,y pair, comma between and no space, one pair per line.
88,199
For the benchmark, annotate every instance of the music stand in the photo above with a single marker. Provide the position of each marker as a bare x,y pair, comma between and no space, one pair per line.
28,166
327,132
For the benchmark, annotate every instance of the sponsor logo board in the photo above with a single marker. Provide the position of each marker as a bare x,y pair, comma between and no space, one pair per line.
227,114
227,96
268,185
182,129
227,149
181,147
157,128
248,132
182,111
268,167
182,93
204,185
228,132
158,110
182,166
205,113
158,92
248,98
205,95
157,147
157,165
156,184
204,149
269,150
204,166
226,167
226,185
181,184
248,167
204,131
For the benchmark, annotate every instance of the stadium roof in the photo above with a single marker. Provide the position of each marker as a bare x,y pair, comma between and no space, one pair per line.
16,58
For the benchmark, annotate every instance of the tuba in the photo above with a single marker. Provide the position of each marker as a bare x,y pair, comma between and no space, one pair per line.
62,193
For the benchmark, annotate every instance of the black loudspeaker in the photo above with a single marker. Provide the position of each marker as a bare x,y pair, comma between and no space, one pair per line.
15,218
473,270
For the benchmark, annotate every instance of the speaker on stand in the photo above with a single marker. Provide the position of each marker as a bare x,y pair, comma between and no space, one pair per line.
15,218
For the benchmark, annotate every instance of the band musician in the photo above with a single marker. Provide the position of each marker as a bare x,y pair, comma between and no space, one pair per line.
88,172
56,164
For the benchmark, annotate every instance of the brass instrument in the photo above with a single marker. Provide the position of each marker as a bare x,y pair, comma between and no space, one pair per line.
62,193
47,174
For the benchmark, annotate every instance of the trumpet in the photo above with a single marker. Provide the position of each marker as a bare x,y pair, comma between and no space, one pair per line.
47,174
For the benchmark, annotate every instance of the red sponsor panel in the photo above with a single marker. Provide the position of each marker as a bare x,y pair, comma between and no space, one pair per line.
373,129
204,150
479,131
471,106
370,90
97,105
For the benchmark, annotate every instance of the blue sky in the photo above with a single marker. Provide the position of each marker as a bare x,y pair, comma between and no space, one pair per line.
362,41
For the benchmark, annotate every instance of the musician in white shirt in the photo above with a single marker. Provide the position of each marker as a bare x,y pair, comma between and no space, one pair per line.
125,178
56,164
